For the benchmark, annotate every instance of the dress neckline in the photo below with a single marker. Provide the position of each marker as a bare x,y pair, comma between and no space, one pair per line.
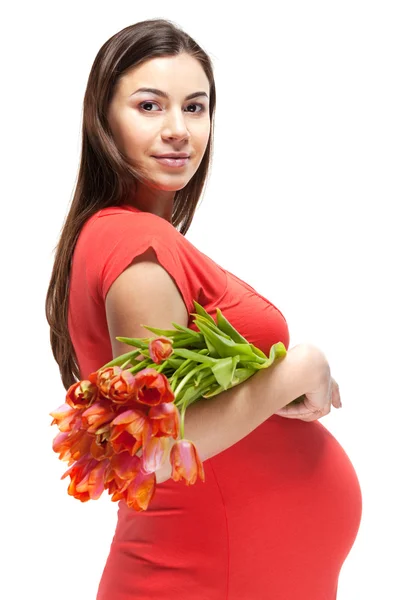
131,208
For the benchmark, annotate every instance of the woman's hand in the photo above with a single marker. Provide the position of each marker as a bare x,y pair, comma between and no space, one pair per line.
304,409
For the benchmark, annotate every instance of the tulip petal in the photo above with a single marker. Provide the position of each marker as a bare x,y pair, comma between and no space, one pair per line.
155,453
186,464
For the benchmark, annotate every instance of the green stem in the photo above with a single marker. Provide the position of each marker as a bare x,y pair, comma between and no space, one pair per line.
182,421
187,377
160,368
142,365
121,359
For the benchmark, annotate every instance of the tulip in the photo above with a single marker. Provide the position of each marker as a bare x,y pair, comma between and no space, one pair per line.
101,448
77,473
122,387
103,377
93,480
98,414
66,417
81,394
123,468
141,490
155,453
185,462
115,425
152,387
129,431
165,419
71,446
160,348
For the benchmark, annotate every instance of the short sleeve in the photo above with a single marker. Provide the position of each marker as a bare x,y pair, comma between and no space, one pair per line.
119,237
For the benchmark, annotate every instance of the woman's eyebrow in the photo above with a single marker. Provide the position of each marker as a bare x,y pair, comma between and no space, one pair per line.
165,95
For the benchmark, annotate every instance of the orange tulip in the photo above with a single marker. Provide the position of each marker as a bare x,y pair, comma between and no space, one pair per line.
165,419
99,413
71,446
101,448
160,349
81,394
122,470
155,453
185,462
77,473
60,445
152,387
141,490
66,417
122,387
93,480
103,377
124,466
129,430
117,488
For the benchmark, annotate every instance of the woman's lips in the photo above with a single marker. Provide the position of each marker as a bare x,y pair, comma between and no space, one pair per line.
172,162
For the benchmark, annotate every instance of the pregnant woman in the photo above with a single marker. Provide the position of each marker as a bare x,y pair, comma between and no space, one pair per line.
281,504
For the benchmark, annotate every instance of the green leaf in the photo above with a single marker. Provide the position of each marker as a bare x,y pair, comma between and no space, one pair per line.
120,360
277,352
183,341
136,342
193,394
190,332
227,347
243,374
224,370
227,328
201,311
200,320
214,390
166,332
258,351
201,358
175,362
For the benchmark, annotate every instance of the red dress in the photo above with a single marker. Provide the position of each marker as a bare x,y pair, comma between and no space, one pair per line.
278,512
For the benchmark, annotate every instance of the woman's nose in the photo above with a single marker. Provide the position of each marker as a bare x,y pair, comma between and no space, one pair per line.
175,126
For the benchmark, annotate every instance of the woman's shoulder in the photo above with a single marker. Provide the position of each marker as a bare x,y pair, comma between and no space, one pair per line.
115,221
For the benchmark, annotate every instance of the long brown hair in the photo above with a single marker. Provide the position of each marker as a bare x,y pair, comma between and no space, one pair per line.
106,176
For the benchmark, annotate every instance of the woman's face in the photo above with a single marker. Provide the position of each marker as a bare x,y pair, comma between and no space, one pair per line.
172,118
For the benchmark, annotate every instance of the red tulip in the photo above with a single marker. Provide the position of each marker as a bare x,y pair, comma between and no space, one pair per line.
152,387
129,430
165,419
160,349
103,377
66,417
78,473
141,490
155,453
98,414
71,446
81,394
122,387
93,480
185,462
122,470
101,448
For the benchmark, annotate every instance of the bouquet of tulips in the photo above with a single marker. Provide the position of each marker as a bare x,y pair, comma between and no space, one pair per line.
115,426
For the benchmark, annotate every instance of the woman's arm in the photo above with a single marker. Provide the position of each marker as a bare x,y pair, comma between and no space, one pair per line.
146,294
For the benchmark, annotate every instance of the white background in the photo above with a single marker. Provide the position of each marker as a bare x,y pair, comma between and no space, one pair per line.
312,199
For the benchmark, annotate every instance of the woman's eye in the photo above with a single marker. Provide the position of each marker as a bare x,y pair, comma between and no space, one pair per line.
197,104
145,104
149,103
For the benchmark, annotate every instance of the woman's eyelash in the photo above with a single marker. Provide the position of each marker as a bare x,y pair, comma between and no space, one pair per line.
202,106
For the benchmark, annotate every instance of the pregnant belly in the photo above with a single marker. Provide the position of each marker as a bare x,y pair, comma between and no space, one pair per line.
293,504
276,517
